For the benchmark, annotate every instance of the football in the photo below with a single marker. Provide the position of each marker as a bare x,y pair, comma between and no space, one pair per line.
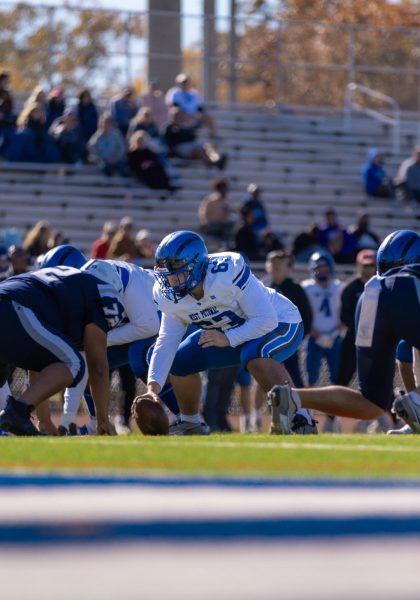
150,417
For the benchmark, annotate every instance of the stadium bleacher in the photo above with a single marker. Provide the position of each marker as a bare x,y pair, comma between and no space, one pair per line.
304,164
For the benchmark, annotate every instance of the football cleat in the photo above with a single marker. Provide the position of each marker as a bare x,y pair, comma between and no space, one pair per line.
186,428
284,403
406,408
16,418
303,423
404,430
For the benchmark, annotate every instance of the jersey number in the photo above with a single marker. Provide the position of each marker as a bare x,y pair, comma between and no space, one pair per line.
221,266
227,317
325,307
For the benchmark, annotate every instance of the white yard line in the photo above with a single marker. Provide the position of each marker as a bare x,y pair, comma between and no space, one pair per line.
255,446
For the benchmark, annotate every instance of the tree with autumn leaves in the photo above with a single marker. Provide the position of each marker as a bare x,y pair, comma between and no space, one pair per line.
67,45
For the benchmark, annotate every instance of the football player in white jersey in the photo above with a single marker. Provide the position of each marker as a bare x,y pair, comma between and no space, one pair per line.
239,321
134,339
323,292
324,340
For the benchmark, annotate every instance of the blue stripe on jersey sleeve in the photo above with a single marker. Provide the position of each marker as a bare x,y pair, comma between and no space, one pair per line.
239,275
244,279
125,276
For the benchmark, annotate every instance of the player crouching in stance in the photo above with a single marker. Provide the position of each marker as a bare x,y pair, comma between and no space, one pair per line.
388,311
239,321
48,317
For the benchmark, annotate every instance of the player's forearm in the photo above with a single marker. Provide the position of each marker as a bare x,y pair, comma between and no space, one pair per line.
99,387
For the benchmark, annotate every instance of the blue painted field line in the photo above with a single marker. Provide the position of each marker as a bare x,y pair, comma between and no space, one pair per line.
63,480
207,531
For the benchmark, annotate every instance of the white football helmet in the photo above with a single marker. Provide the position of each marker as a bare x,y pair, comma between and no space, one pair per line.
106,272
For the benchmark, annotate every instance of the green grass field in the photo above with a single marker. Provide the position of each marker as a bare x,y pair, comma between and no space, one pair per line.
324,456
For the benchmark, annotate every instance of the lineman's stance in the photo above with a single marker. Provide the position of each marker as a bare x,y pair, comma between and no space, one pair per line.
243,321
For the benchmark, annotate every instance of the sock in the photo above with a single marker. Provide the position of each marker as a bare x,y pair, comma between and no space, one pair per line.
168,397
190,418
68,417
89,403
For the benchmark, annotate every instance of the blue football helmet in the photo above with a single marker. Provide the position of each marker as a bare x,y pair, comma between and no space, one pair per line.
65,255
317,263
398,249
181,260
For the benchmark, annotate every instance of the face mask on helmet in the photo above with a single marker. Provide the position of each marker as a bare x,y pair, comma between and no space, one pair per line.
321,265
180,264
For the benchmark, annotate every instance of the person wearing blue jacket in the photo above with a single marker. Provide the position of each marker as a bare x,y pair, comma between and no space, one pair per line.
375,179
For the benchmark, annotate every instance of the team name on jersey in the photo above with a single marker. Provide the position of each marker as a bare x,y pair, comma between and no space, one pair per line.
207,312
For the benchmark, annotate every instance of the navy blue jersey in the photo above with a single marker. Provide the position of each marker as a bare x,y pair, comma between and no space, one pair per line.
388,311
66,299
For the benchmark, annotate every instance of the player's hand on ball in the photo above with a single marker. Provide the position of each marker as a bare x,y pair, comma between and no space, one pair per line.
150,415
213,338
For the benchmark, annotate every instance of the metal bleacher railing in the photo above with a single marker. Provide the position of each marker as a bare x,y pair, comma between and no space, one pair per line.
353,106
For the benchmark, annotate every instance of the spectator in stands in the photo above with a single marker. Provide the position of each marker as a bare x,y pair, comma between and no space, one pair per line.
122,245
271,242
181,140
55,105
144,243
375,179
143,121
67,134
255,204
144,163
154,99
123,109
108,147
245,240
7,116
366,267
87,114
306,243
36,240
364,236
19,260
57,238
31,143
101,245
279,266
214,212
413,177
5,265
38,96
190,102
336,239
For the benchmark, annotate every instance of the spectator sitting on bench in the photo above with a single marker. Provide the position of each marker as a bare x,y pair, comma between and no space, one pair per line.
87,114
181,140
7,116
214,212
108,147
31,143
190,102
154,99
67,133
56,105
144,163
124,108
375,179
37,238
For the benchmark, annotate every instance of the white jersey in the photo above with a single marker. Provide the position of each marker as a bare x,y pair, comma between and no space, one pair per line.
325,304
234,301
143,319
